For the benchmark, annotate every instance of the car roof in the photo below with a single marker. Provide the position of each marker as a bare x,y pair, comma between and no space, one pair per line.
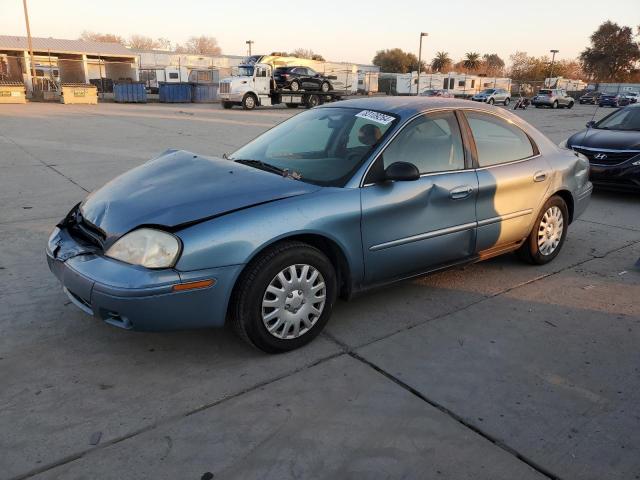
406,107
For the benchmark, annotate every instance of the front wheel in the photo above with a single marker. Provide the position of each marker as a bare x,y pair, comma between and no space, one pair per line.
491,101
227,105
506,101
294,86
284,298
555,104
570,106
548,234
249,102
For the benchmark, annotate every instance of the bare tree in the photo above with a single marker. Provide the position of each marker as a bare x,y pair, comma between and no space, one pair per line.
89,36
201,45
141,42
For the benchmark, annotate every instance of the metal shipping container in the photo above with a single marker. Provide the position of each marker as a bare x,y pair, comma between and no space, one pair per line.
12,92
175,92
128,92
205,93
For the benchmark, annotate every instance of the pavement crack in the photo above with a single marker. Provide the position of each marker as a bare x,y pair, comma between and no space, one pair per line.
45,164
608,225
454,416
169,420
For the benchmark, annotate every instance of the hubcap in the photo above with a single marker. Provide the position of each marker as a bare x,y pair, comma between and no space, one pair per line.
250,103
550,230
293,302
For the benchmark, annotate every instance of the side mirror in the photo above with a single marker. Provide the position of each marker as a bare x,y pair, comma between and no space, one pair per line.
590,124
401,172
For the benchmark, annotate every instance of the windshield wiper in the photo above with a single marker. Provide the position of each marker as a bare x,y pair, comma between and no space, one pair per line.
267,167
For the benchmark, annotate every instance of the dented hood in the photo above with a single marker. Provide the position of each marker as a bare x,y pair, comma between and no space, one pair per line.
180,188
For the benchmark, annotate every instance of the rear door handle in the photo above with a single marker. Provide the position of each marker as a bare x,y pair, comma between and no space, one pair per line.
460,192
539,176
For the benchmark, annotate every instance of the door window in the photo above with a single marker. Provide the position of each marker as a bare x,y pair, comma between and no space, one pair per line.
497,141
432,143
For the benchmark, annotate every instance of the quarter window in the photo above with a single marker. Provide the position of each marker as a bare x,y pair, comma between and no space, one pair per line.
497,141
432,143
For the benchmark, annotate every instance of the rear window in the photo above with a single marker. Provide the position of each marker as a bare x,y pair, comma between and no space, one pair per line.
546,92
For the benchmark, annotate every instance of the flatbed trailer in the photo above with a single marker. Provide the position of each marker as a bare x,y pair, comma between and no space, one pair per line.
258,88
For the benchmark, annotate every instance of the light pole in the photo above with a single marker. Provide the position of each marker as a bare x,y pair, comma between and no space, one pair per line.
249,42
422,34
26,19
553,58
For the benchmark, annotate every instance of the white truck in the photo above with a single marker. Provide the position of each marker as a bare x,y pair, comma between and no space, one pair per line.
253,86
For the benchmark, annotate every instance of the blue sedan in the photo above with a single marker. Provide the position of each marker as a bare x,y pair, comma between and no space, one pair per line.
334,201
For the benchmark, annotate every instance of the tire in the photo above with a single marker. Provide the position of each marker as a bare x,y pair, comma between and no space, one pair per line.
600,105
506,101
325,87
540,251
254,322
227,105
570,106
555,104
294,86
249,102
312,101
491,101
292,105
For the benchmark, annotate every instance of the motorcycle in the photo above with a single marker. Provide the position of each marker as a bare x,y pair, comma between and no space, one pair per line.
522,103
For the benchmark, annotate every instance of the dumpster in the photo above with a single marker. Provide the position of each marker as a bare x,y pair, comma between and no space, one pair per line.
130,92
175,92
205,93
12,92
78,93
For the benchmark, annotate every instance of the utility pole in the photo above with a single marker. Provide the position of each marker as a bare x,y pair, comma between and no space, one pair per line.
26,19
553,58
249,42
422,34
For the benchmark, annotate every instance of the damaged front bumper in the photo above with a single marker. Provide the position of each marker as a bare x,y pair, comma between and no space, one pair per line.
134,297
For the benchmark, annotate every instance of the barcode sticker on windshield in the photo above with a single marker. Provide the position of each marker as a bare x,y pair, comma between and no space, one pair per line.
376,117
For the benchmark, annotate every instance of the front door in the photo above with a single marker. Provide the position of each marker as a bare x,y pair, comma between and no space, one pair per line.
409,227
262,79
512,177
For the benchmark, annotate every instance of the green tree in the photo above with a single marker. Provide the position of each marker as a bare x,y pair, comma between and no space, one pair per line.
396,60
613,53
471,61
441,62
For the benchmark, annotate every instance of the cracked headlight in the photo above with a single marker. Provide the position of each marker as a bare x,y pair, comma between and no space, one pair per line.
147,247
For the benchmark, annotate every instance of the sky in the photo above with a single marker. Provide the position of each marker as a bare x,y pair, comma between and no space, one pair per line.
342,31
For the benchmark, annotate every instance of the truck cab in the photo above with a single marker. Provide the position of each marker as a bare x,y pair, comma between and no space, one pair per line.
249,86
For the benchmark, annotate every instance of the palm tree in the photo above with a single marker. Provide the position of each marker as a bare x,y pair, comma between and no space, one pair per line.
441,61
471,61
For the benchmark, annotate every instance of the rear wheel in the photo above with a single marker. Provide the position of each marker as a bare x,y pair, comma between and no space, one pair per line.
555,104
570,105
284,297
292,105
491,101
312,101
325,87
506,101
294,86
548,234
249,102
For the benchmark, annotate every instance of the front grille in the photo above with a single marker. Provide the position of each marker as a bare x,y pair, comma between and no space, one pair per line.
225,87
610,158
86,233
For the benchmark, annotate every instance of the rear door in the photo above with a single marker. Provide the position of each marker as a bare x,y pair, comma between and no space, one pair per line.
512,178
409,227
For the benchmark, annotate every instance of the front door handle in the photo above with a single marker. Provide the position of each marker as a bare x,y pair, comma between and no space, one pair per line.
539,176
460,192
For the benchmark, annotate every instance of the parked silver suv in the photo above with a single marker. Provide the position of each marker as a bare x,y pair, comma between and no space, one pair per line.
552,97
493,95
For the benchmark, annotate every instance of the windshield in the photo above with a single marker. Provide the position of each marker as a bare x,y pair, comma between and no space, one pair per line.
625,119
324,146
244,71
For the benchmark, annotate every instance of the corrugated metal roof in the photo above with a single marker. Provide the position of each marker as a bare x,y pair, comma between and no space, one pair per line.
59,45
